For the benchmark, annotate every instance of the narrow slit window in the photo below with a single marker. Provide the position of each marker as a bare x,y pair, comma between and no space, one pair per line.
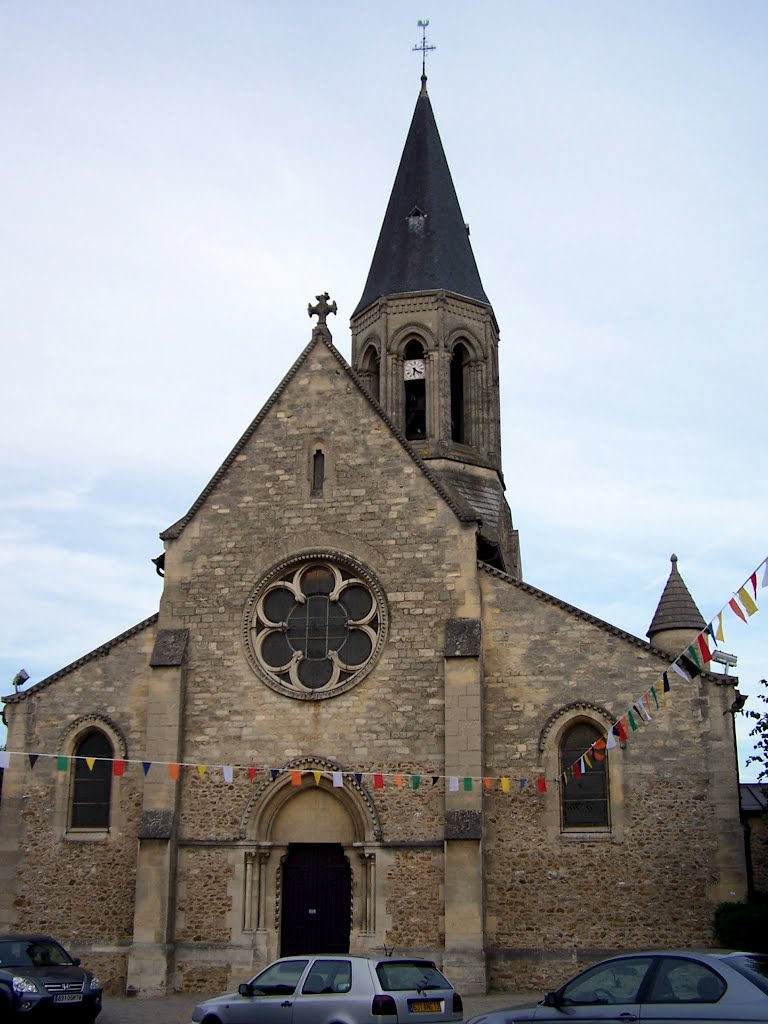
584,799
92,786
458,409
318,471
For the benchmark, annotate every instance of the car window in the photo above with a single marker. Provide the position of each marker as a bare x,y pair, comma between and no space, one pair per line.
281,978
685,981
617,981
409,975
27,953
328,977
754,967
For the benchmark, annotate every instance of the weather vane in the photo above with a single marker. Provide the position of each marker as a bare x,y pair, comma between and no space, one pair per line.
423,47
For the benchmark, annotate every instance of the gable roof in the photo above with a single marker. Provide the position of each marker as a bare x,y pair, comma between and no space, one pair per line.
320,334
98,652
424,242
607,627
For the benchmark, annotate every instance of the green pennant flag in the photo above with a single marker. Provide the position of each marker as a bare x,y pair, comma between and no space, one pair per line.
653,694
415,781
694,655
468,784
632,722
62,763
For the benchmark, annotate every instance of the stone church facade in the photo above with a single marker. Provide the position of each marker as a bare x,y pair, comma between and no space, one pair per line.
345,728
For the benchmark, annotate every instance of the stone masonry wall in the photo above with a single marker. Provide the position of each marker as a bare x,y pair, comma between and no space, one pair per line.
555,899
378,507
79,886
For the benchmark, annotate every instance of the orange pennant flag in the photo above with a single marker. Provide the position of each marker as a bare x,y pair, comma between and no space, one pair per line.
487,783
295,778
733,604
173,771
398,780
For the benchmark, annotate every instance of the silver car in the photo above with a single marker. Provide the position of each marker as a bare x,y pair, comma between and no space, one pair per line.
657,988
339,989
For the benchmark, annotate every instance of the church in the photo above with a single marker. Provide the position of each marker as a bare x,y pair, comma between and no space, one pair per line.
352,725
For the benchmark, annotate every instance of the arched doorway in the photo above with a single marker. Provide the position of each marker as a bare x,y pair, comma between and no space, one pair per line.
317,899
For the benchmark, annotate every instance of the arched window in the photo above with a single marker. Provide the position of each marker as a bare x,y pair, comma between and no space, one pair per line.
414,379
458,418
91,786
369,372
584,798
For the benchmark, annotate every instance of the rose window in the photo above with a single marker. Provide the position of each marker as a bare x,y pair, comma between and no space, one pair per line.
314,627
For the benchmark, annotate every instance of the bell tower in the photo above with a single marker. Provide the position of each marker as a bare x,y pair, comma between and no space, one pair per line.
425,338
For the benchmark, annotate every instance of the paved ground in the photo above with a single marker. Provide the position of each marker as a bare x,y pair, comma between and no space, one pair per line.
178,1009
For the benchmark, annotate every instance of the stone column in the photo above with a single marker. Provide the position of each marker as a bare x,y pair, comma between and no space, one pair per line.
151,955
464,958
11,808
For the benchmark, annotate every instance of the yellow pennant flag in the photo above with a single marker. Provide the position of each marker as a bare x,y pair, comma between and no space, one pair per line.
505,785
719,634
747,601
201,770
317,777
90,761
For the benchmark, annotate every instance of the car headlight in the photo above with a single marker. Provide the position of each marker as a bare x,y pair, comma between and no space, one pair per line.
95,984
22,984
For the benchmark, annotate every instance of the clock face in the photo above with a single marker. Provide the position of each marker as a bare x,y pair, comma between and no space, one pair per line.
413,369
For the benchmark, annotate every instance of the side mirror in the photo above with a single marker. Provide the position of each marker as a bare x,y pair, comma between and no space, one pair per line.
245,989
551,999
76,961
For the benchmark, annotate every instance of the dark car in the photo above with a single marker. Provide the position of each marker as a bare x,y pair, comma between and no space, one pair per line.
339,989
656,987
40,981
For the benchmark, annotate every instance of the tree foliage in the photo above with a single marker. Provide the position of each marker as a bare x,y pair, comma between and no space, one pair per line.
759,734
744,925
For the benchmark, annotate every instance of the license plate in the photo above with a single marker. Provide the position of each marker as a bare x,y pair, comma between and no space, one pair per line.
426,1006
74,998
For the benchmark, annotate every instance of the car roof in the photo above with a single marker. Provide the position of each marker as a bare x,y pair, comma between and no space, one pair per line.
25,937
370,958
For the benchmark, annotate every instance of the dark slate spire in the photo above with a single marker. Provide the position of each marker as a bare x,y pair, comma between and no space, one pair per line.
677,609
424,242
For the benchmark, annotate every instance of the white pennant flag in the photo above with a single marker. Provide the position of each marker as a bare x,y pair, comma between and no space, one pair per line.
338,780
453,784
765,575
227,771
5,758
610,740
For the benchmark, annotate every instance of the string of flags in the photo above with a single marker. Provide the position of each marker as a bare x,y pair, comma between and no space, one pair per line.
689,664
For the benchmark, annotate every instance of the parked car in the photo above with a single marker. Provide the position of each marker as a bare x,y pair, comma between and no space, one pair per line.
655,987
339,989
40,981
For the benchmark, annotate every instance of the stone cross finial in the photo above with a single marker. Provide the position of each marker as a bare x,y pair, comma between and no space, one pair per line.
322,309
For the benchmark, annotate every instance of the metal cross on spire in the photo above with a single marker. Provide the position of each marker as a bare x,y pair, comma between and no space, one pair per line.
423,47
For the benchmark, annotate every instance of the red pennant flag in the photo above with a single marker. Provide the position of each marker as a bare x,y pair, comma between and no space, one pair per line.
541,785
487,783
251,774
576,768
736,608
173,771
703,647
753,581
598,756
599,744
118,767
378,781
295,778
619,728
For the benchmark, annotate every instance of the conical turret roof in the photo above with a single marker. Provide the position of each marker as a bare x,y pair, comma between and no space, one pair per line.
676,609
424,241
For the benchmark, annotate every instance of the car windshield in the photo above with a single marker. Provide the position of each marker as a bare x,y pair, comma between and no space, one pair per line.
32,953
410,975
754,967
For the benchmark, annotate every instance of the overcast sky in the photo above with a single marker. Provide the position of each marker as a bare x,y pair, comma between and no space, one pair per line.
181,178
